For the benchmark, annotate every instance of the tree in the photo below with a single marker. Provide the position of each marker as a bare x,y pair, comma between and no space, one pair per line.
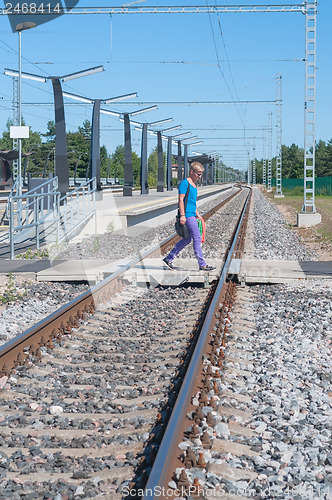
6,143
323,159
86,129
329,157
50,133
259,171
292,162
117,162
78,147
136,169
31,145
104,160
153,167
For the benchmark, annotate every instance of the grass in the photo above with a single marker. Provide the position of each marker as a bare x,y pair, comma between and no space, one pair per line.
323,206
11,293
33,254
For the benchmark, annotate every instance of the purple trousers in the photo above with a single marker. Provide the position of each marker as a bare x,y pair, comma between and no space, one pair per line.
195,235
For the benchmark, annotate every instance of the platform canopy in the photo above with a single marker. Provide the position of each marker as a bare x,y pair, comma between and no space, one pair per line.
203,159
9,155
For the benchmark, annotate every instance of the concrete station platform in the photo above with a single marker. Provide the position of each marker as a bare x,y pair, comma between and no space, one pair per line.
279,271
129,215
124,213
152,272
136,214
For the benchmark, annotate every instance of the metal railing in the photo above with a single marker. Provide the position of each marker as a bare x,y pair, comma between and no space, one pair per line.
42,215
76,208
46,190
27,213
10,196
78,181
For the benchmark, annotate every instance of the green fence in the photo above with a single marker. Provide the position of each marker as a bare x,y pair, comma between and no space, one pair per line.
323,185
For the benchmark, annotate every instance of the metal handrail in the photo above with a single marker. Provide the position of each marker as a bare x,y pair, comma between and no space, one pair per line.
74,210
10,196
45,207
53,180
85,184
31,204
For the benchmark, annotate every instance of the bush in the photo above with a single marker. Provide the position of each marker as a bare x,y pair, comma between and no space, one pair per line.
295,191
152,181
298,190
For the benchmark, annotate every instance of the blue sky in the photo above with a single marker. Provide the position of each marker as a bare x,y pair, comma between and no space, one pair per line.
177,57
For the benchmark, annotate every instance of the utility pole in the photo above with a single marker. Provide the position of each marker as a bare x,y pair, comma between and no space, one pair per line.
254,167
309,217
269,154
279,139
264,159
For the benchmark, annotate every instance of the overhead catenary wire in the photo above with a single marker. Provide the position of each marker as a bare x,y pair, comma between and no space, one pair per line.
219,66
175,103
235,102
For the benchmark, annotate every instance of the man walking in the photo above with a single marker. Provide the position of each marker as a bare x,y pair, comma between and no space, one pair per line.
188,216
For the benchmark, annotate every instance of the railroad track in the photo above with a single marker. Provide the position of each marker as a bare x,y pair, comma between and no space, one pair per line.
51,329
200,390
90,415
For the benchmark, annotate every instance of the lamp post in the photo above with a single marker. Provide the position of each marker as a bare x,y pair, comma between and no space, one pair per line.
169,179
144,153
160,176
95,134
24,183
160,155
182,170
62,171
46,162
95,128
176,137
19,28
128,167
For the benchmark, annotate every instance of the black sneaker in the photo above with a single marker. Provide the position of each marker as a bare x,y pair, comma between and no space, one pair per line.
206,268
168,263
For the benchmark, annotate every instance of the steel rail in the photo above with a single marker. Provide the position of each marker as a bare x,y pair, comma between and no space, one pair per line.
168,450
17,351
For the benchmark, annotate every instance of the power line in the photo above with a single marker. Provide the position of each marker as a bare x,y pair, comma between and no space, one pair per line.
220,128
161,103
218,63
228,139
168,9
137,61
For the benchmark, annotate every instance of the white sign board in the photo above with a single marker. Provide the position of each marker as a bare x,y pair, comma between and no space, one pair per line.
17,132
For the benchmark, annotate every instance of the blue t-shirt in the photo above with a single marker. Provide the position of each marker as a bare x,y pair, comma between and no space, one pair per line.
192,197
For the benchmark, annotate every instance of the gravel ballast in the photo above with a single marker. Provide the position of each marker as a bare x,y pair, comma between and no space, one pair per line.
271,431
285,385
